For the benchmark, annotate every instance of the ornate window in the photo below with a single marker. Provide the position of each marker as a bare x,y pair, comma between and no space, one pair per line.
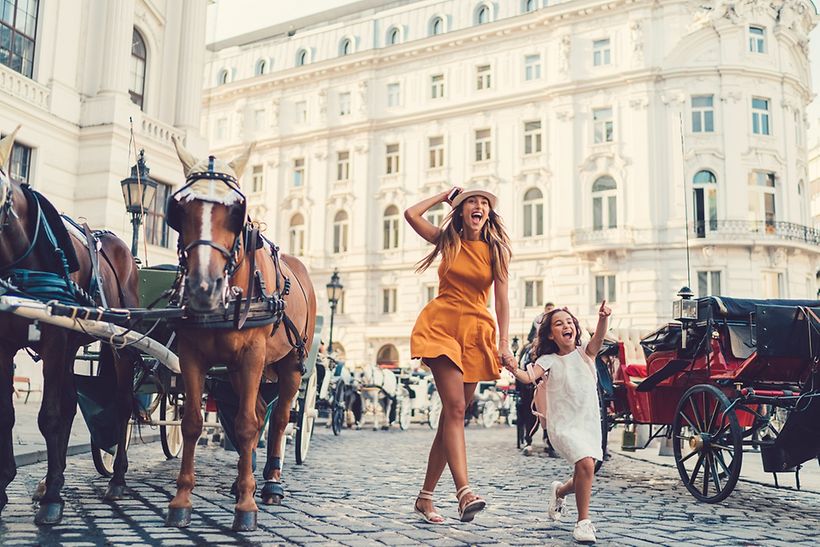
393,94
762,197
18,30
760,116
602,125
257,179
483,145
139,56
436,152
532,137
533,293
703,114
435,214
20,165
436,26
532,67
344,103
298,172
393,36
601,52
604,203
296,235
483,77
605,288
156,229
341,227
222,77
437,86
343,165
705,210
302,57
261,67
482,14
757,39
533,213
391,159
388,355
390,225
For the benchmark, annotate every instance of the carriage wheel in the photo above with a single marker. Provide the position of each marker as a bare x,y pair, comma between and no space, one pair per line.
405,411
490,414
708,443
103,461
170,436
434,414
307,415
512,412
337,412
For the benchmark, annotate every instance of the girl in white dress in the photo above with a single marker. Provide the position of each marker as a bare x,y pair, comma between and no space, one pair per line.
573,416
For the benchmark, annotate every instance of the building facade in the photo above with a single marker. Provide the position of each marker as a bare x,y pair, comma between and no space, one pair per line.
77,75
636,146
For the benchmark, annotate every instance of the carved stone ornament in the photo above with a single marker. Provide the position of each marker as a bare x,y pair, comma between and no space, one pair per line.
708,252
777,256
565,51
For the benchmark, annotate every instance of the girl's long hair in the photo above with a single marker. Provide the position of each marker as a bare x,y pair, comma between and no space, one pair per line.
544,345
449,243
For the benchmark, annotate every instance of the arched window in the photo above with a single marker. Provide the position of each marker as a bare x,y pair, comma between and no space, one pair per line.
436,26
345,47
261,67
139,60
529,5
222,77
435,214
301,57
388,356
705,208
341,227
393,36
391,228
604,203
296,235
482,14
533,213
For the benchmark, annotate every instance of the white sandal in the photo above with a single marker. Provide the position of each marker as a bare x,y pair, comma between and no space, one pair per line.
431,517
469,511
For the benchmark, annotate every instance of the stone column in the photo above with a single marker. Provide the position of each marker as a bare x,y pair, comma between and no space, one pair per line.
191,61
119,31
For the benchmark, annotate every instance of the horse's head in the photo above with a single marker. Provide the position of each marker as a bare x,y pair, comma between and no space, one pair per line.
6,188
209,213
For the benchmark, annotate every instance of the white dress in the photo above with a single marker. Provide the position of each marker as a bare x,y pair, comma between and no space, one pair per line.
573,413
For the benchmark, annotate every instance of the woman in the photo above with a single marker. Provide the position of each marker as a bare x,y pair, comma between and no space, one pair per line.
455,334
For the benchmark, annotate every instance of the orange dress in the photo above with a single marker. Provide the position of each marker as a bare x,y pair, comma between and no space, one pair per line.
457,324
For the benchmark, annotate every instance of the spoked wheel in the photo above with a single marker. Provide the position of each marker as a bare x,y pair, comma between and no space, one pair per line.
405,412
708,443
434,414
337,413
512,414
103,461
490,414
170,436
307,415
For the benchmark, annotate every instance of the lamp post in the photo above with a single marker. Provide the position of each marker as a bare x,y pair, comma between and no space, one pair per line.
138,191
334,292
514,346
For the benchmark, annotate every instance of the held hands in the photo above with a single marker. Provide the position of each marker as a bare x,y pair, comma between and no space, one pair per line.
506,357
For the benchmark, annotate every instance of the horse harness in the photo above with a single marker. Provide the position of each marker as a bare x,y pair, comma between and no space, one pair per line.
252,306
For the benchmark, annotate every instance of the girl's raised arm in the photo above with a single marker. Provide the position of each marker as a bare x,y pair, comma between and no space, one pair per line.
415,217
597,340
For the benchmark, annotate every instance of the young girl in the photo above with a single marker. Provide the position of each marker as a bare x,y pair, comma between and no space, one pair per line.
573,417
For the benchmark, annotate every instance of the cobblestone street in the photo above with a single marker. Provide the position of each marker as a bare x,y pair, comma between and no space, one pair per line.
358,489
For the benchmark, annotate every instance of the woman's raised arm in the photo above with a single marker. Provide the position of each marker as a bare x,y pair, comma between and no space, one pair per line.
415,217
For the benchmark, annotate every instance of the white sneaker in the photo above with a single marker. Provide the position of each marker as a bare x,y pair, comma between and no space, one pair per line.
584,532
556,506
527,450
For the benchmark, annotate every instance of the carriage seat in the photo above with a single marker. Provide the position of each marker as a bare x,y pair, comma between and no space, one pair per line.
740,341
631,353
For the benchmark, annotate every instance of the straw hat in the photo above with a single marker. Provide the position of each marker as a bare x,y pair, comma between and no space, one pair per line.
475,192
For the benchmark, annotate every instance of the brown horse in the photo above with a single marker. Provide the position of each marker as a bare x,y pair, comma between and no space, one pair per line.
25,245
221,264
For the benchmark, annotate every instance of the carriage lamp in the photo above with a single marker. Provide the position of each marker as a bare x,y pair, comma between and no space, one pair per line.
685,308
334,293
514,347
138,191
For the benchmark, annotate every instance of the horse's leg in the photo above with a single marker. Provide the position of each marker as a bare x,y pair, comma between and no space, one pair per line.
290,377
55,419
123,363
245,377
7,467
193,374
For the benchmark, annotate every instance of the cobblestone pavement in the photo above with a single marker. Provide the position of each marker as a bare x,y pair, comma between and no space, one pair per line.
357,489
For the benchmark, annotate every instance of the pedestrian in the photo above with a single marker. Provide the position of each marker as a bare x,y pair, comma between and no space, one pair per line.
548,307
573,416
455,335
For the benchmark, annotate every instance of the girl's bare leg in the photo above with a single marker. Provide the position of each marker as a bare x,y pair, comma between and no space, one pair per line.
581,485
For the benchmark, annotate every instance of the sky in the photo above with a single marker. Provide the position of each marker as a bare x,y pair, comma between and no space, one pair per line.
228,18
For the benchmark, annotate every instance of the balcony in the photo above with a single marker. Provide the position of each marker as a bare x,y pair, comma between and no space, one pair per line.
16,85
756,231
607,238
158,131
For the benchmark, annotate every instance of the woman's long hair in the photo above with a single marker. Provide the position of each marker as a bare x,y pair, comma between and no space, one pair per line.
449,243
544,345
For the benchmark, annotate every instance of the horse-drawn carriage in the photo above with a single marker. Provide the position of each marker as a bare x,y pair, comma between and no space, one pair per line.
241,315
720,379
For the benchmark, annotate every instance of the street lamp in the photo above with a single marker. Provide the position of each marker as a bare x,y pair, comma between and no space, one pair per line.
514,346
334,292
138,191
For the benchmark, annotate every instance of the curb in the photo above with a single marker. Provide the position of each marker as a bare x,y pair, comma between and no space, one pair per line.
30,458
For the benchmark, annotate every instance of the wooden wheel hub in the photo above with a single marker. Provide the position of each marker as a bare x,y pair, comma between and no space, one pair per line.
696,443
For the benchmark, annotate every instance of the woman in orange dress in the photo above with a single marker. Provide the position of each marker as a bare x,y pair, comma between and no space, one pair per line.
455,335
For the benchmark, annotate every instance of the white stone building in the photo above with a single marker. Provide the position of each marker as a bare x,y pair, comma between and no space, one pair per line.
603,125
72,73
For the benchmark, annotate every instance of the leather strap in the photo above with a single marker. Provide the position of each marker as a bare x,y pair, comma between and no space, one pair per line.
250,252
91,243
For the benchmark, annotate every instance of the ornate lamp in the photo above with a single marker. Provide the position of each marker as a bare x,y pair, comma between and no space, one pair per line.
334,293
138,191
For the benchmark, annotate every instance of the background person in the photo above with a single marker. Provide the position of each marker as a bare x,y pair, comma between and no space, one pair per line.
455,334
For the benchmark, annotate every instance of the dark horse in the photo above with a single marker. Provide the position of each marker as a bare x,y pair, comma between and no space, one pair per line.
27,244
225,264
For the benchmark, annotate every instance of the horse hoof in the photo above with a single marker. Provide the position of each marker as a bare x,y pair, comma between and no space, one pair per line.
40,491
272,493
244,521
49,514
179,517
114,492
